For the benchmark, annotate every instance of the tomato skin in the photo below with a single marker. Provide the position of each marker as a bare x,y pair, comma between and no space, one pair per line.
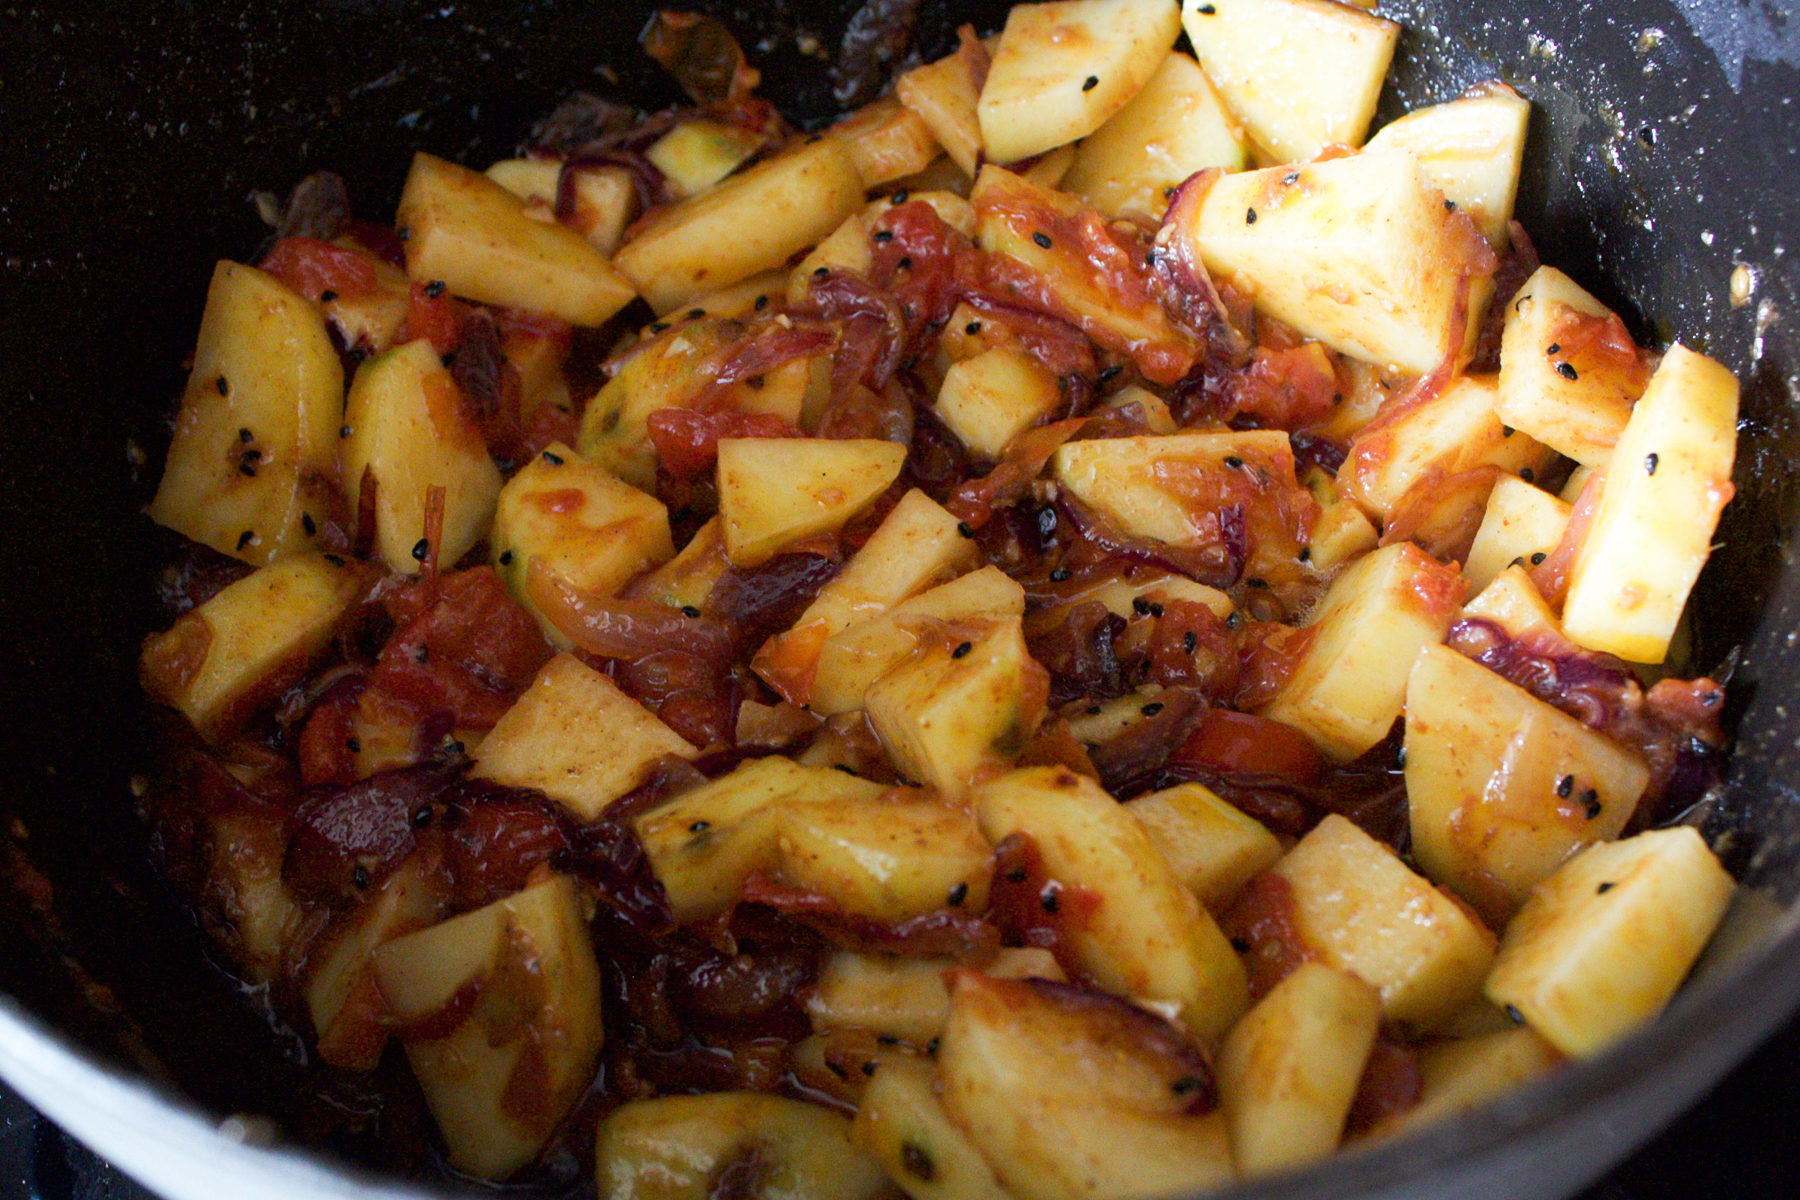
687,442
432,313
314,268
1242,743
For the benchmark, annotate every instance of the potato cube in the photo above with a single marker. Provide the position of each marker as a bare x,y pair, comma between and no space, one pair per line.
1667,480
1146,936
1069,1096
409,435
944,95
1356,252
1501,787
1341,531
369,319
1289,1070
680,1147
1456,1076
604,199
1300,74
1569,372
1471,149
777,491
886,141
1350,682
744,297
705,843
1513,603
850,661
901,997
1212,847
966,702
1521,522
577,738
847,250
1358,908
1604,942
251,464
1175,126
1155,409
473,235
257,637
989,400
751,222
584,525
501,1080
686,580
902,1125
698,153
887,860
1064,67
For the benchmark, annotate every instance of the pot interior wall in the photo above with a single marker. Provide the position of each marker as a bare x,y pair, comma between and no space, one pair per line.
137,133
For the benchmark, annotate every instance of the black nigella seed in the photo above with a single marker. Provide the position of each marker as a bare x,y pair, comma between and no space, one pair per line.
905,263
962,527
972,328
244,435
1090,83
1400,756
1152,708
1514,1015
688,610
700,826
327,296
1048,899
421,653
958,894
837,1070
899,197
1150,258
334,560
658,327
1108,374
1206,10
1507,431
421,817
821,272
1650,461
962,651
224,386
1249,216
247,466
554,460
435,288
1565,786
506,557
755,383
360,876
353,745
308,524
1042,239
1256,582
1305,554
343,431
886,1039
1590,802
1553,348
1566,370
245,538
1241,945
1449,206
1234,462
1537,558
1291,178
846,768
931,1047
762,302
1156,610
916,1162
1187,1085
1527,474
1234,620
421,548
1141,607
883,235
694,314
1189,641
1016,875
1603,889
1061,575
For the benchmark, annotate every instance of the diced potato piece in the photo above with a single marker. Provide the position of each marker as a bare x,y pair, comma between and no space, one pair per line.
1341,532
951,207
943,95
965,703
369,319
408,433
1146,936
1502,786
577,738
1289,1070
705,843
1521,522
1356,252
1455,431
538,358
1578,479
1667,481
241,649
1155,410
1300,74
245,889
500,1081
1603,943
750,222
989,400
744,297
1358,908
698,153
1173,488
1048,169
887,860
686,580
1569,373
584,525
841,1062
1070,1097
250,468
1109,718
604,198
1350,682
1459,1075
1065,66
1513,603
1471,149
342,995
1175,126
850,661
917,546
777,491
886,141
679,1147
1213,847
467,231
1023,222
902,1126
846,250
901,997
673,371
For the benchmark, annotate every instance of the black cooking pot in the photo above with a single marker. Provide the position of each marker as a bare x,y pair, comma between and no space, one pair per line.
1660,161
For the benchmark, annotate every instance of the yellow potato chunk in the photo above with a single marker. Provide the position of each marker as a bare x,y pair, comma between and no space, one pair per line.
1213,847
1521,521
886,141
990,399
777,491
1471,149
1464,1073
902,1125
